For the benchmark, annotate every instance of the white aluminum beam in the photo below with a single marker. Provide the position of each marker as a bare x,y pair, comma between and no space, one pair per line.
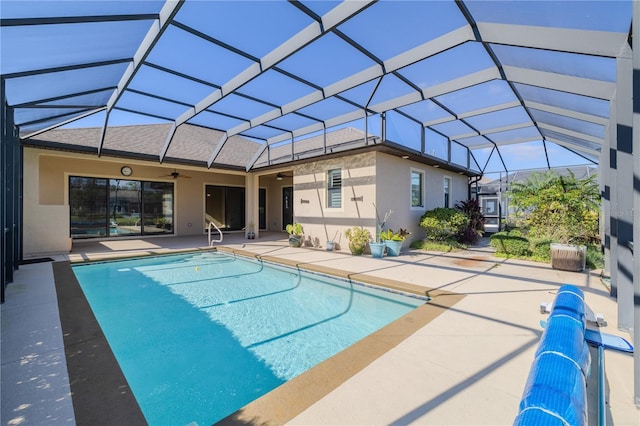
582,86
216,151
430,48
571,133
507,128
55,126
469,80
303,38
336,121
603,121
574,147
599,43
492,108
510,142
165,17
255,157
454,38
636,201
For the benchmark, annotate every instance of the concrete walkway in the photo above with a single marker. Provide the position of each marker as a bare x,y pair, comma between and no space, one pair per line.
468,366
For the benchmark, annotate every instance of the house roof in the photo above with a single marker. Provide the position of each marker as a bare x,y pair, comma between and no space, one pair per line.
193,144
474,83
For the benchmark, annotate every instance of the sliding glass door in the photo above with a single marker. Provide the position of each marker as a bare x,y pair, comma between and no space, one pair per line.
119,207
225,206
88,202
157,199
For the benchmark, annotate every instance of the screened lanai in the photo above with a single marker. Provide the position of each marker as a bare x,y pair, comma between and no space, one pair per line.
457,80
480,86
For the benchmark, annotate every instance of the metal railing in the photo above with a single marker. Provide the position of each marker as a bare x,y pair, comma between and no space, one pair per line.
209,234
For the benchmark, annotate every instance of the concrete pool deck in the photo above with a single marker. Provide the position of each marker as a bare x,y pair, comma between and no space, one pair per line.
465,366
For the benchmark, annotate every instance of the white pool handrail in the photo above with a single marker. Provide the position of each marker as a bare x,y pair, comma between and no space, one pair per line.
209,234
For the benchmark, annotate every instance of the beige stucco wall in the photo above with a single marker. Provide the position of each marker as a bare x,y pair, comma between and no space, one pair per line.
46,210
394,192
358,195
273,189
435,188
367,179
45,222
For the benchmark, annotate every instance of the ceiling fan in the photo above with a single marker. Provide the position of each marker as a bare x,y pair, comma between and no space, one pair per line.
175,175
280,176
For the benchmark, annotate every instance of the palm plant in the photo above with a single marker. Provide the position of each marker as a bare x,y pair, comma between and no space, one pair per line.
559,208
475,228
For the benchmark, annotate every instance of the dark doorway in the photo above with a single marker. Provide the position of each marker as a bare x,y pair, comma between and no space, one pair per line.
224,206
287,206
262,210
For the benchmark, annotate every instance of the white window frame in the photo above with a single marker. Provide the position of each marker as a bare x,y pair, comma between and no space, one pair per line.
329,188
446,191
423,184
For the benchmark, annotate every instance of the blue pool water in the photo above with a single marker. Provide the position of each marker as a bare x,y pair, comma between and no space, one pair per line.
200,335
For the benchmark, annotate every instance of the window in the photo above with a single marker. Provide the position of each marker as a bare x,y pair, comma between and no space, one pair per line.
447,191
334,188
417,186
101,207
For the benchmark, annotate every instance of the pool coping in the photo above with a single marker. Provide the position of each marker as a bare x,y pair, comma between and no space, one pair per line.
99,390
101,394
293,397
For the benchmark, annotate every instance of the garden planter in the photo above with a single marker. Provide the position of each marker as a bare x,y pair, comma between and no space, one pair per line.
377,249
393,247
295,240
356,248
567,257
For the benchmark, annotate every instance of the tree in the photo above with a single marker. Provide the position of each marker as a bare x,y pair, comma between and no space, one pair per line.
558,208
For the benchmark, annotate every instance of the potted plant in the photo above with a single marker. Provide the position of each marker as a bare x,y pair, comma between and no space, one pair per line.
331,244
393,241
358,238
378,247
250,233
295,234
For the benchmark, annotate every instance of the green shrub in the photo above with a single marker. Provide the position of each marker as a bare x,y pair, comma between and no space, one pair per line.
595,258
510,244
444,246
515,232
541,250
441,224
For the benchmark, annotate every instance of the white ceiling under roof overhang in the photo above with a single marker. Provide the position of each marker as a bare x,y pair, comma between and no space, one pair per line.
483,85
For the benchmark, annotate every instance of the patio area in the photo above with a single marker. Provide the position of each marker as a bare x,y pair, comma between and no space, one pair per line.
467,365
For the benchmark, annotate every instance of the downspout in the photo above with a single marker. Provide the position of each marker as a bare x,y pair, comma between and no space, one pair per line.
471,182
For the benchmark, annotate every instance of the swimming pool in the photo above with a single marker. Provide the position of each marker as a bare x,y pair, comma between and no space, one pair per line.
200,335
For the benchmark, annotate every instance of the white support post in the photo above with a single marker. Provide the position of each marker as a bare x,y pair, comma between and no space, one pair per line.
636,197
252,204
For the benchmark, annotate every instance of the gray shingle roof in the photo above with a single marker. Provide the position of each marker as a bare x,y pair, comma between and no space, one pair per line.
190,143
